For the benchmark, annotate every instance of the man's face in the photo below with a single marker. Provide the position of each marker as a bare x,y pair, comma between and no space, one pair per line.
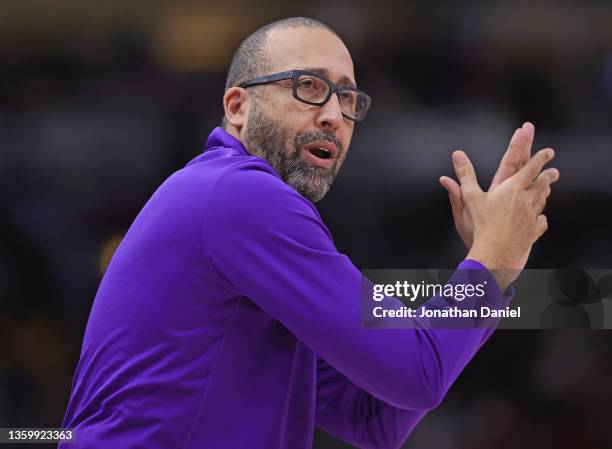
285,131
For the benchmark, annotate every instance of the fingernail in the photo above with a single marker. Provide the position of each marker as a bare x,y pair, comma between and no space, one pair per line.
459,158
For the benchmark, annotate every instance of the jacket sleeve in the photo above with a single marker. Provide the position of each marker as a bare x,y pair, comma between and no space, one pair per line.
268,243
357,417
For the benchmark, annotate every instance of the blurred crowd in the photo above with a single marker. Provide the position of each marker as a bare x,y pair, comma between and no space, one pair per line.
100,103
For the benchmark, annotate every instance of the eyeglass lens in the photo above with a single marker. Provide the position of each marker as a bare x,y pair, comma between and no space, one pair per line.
314,89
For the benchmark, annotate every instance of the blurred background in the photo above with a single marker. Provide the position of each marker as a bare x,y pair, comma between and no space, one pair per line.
101,101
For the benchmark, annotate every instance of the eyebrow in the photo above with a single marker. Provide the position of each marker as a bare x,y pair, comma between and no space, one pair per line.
344,81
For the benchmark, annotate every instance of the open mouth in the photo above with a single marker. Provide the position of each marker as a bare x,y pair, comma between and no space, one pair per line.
321,153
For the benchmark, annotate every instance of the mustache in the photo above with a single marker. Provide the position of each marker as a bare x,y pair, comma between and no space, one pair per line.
305,138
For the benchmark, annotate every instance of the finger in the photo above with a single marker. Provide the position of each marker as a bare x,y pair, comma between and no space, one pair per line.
541,225
529,131
517,154
454,194
465,171
529,172
511,161
544,180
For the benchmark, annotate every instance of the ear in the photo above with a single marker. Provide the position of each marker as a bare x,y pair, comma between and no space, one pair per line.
236,105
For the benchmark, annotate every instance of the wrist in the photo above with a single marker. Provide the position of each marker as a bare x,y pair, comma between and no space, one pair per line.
501,273
486,257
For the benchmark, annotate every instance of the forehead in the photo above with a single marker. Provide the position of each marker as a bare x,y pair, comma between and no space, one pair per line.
309,48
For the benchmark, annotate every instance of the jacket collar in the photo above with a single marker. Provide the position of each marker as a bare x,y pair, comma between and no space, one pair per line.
221,138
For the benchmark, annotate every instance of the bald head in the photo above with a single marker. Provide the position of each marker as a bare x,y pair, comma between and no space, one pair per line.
251,59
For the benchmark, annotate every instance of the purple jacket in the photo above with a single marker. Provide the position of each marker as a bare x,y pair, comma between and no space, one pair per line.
228,319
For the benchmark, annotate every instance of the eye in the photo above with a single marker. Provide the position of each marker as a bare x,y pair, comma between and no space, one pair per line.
347,97
307,83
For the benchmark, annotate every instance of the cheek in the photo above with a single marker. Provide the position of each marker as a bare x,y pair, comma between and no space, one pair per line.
293,114
347,135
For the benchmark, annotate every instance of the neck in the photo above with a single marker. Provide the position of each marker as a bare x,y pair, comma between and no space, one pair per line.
234,132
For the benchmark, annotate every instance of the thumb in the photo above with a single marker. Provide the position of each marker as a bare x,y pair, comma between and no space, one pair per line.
454,193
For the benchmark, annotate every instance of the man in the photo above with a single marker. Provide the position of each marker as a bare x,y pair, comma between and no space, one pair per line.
228,319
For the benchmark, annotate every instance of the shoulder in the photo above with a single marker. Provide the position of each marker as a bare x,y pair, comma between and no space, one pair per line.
221,179
251,201
251,187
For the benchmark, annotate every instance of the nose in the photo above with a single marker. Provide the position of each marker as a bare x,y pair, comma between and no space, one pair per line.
330,115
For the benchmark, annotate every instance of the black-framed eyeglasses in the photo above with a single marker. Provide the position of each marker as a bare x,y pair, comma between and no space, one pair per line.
314,89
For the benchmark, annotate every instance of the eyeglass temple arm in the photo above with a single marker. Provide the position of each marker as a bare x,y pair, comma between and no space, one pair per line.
268,79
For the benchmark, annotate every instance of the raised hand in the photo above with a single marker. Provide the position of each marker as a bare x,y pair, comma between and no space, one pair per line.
515,157
508,219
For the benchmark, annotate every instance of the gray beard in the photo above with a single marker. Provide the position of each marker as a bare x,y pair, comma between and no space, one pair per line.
268,139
